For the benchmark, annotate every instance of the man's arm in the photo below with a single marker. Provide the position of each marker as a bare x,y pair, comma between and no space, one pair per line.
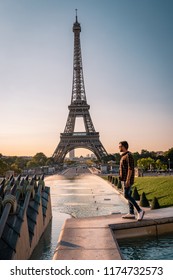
130,169
129,174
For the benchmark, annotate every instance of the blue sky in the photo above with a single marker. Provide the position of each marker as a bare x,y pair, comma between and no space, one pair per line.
128,70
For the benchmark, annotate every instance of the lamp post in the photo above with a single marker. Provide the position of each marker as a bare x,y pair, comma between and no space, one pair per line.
111,164
169,165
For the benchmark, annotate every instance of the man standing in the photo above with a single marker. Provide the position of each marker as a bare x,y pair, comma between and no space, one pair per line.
126,175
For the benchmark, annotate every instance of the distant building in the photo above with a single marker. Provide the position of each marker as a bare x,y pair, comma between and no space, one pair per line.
9,173
160,153
71,155
93,156
104,168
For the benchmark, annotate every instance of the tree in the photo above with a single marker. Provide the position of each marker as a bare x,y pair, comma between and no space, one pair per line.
50,161
40,159
10,160
169,153
21,162
32,164
158,164
107,158
3,167
146,163
117,157
145,153
169,156
136,156
15,168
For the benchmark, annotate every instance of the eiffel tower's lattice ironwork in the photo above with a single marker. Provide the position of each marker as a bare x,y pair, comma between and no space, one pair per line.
69,139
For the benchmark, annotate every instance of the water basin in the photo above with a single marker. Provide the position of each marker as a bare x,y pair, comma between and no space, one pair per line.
147,248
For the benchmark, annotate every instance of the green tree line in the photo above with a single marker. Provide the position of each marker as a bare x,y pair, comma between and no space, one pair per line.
148,160
17,164
145,160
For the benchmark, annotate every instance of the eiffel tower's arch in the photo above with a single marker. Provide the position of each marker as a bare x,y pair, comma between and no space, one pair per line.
72,146
79,107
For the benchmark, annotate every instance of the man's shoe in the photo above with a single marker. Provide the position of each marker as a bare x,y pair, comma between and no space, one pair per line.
140,215
129,216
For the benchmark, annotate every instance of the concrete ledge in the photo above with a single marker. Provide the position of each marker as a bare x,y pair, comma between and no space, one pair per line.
96,238
87,239
151,227
87,255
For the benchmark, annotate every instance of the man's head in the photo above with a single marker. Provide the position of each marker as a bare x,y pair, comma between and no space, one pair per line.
123,146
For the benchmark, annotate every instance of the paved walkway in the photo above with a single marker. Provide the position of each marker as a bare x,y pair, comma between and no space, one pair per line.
84,195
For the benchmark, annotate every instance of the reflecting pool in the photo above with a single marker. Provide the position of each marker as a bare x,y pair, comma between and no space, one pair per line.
148,248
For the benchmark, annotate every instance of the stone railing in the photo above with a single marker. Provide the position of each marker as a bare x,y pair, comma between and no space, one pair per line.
25,212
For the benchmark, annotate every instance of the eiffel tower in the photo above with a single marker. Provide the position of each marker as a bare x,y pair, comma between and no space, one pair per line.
69,140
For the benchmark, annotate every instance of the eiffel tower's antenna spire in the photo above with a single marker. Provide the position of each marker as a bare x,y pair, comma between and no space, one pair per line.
76,15
78,88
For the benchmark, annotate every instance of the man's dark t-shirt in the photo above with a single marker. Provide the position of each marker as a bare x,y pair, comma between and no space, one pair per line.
126,163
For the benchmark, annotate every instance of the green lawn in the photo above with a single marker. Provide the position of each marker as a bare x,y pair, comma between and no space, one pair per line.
161,187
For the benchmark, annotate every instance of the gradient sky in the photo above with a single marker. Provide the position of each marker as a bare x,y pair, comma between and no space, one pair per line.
127,52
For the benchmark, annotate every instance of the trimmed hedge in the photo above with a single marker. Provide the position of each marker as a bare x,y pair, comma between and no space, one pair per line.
144,201
119,185
136,195
155,203
116,181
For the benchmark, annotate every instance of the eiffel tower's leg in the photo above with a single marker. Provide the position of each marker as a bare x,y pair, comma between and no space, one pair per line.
70,124
89,127
60,152
98,149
